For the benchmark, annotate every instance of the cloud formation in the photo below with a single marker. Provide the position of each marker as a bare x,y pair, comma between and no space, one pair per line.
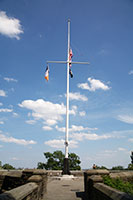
126,118
77,96
49,112
10,79
94,85
60,143
2,93
47,128
75,128
10,26
6,139
82,113
5,110
131,72
88,136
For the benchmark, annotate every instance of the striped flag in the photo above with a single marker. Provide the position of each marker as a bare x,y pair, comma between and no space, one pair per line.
70,56
47,73
70,65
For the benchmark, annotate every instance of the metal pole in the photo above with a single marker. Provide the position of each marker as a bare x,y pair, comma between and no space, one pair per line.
67,99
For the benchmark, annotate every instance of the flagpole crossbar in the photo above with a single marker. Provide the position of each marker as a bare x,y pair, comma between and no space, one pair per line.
65,62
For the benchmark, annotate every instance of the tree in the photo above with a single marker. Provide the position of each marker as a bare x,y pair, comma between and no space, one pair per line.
119,167
55,161
100,167
74,162
7,166
40,165
0,165
130,167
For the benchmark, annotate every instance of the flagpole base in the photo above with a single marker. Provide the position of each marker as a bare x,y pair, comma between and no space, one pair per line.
66,167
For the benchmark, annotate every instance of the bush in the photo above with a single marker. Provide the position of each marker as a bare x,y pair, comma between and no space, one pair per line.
119,184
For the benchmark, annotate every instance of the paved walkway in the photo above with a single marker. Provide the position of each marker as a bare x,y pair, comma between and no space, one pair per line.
65,189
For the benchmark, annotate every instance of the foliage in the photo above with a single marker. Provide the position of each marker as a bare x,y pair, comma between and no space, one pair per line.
74,162
102,167
7,166
130,167
119,184
119,167
40,165
55,161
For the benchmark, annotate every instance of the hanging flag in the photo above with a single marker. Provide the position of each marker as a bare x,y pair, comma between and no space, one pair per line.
47,73
70,72
70,65
70,56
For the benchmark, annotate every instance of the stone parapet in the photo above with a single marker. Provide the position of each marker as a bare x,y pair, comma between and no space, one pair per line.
24,192
95,189
104,192
10,180
89,173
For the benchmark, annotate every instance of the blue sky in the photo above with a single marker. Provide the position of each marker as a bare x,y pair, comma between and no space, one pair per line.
32,110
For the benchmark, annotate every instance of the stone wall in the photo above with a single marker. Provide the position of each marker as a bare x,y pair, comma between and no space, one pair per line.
95,189
23,185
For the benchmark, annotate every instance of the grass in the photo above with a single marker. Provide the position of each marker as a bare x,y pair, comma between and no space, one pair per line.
119,184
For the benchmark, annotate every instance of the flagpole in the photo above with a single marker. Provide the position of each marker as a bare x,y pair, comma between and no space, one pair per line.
68,62
66,161
67,99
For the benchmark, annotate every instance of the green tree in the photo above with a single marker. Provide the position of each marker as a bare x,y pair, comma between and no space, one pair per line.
55,161
119,167
130,167
74,161
7,166
100,167
0,165
40,165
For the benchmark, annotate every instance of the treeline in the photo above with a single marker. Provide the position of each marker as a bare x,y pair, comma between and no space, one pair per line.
119,167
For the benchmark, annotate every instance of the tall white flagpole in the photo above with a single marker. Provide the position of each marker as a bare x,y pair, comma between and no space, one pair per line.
66,160
67,94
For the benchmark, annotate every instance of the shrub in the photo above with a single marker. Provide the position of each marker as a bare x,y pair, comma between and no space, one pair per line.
119,184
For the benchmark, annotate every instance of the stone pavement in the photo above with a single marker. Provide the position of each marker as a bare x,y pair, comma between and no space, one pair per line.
65,189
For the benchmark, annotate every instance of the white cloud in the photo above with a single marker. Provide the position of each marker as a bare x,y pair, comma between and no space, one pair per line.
30,121
61,129
15,114
10,79
131,72
77,96
51,122
1,122
6,139
2,93
89,136
94,85
61,143
75,128
121,149
47,128
130,140
5,110
82,113
51,113
14,158
10,26
126,118
1,104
